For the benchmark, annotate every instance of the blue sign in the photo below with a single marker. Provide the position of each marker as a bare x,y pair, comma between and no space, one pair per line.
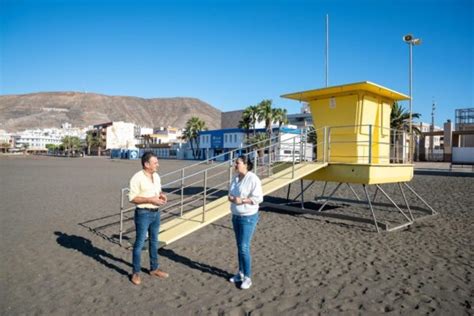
217,141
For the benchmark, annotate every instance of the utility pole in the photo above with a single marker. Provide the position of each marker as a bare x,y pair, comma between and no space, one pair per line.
327,49
433,107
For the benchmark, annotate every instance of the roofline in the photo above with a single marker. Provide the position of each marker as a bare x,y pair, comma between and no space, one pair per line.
309,95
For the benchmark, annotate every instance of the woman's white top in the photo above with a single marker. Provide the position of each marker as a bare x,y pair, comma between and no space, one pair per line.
250,187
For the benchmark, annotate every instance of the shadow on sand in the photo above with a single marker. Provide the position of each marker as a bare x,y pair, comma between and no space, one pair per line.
170,254
85,246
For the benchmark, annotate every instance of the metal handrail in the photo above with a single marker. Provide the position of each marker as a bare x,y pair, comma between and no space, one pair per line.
273,150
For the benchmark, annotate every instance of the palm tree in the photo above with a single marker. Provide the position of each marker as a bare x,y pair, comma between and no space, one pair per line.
71,144
245,123
253,111
400,121
400,118
191,133
279,116
265,114
90,141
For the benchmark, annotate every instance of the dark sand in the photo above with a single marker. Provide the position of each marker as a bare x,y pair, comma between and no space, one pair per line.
303,264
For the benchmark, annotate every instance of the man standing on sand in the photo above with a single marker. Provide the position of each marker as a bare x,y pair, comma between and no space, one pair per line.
145,192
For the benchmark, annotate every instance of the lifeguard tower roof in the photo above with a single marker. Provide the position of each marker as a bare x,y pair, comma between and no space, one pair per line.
311,95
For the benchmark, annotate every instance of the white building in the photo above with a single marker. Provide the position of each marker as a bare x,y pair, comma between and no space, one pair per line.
430,147
37,139
120,135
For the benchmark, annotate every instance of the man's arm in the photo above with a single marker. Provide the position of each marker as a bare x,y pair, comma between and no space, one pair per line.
155,200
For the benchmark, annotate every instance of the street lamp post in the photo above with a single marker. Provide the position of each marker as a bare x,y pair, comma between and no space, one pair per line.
410,40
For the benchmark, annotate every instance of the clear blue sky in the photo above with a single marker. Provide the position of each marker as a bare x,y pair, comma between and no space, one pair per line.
232,54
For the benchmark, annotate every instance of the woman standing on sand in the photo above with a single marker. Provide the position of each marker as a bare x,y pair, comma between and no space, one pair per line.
245,195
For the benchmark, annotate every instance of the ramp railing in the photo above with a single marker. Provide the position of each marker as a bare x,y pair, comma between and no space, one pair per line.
196,185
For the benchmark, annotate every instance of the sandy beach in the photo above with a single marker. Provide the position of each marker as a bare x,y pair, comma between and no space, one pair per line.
303,264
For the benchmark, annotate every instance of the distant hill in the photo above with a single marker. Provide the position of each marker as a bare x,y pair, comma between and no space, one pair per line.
50,109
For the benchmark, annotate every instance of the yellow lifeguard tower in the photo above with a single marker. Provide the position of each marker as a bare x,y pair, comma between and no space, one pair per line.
352,123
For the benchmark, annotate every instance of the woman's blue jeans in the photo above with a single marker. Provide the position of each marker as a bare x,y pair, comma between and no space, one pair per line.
146,221
244,227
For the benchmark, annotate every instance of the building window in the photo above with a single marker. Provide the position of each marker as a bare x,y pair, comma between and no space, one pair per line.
235,138
225,138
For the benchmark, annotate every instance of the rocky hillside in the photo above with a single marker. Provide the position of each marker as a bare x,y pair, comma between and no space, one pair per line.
43,110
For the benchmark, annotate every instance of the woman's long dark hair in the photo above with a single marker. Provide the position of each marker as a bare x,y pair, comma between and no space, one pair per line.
247,161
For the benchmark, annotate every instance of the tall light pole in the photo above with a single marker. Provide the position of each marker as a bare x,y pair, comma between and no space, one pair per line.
327,49
411,41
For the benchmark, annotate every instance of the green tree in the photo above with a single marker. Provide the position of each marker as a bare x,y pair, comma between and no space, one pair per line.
191,133
279,116
4,147
91,140
245,123
399,122
52,148
400,118
265,114
71,144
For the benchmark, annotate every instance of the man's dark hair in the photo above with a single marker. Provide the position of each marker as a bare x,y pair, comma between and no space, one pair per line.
147,156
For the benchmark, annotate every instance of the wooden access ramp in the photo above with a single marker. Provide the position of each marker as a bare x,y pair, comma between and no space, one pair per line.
191,221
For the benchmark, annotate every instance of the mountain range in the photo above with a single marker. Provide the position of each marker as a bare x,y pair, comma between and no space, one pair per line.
51,109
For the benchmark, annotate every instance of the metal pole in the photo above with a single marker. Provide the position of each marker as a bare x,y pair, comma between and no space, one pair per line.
205,197
121,217
406,201
371,208
269,171
293,168
327,49
305,143
370,144
410,45
255,160
328,150
301,146
325,142
182,192
230,166
302,194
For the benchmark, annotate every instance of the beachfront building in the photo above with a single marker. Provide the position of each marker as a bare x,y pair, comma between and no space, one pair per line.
219,142
116,135
7,141
120,135
429,145
165,142
35,140
465,122
303,119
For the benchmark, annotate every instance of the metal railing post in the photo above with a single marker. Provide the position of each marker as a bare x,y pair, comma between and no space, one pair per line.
121,217
293,168
182,192
328,150
370,143
301,146
325,143
231,160
305,143
269,157
255,160
205,197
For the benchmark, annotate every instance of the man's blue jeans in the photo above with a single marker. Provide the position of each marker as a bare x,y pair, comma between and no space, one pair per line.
244,227
146,221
